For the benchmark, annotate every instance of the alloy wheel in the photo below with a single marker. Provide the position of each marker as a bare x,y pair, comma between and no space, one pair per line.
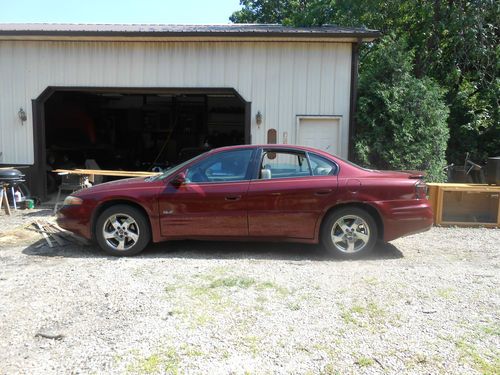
120,231
350,234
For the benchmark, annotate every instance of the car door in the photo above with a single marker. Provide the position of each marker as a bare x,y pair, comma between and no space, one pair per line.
213,200
290,193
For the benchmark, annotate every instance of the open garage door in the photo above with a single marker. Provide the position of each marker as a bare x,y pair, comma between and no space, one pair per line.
135,130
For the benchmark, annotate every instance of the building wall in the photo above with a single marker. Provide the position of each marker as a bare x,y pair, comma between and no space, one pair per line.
280,79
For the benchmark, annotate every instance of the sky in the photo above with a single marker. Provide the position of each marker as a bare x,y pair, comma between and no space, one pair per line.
118,11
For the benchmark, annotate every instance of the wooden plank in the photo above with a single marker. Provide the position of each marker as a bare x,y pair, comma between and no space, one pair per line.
464,186
44,234
54,234
94,172
5,200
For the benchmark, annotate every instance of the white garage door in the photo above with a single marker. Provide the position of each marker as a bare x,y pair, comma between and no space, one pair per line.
320,132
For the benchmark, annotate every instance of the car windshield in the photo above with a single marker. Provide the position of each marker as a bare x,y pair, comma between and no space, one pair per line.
171,171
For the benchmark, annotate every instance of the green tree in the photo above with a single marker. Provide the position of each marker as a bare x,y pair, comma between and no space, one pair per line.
403,117
453,42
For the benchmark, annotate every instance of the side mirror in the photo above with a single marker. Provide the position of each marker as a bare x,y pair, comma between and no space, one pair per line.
179,180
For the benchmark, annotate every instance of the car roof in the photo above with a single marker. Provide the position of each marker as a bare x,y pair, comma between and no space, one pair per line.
275,146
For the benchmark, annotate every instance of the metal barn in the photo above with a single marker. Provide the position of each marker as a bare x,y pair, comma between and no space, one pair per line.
136,96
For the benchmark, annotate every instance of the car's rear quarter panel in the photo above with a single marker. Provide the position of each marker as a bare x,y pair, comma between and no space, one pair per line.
396,202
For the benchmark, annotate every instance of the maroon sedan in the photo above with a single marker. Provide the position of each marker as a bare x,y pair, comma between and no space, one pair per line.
268,193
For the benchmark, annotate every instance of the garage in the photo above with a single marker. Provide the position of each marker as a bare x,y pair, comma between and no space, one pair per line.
134,129
144,97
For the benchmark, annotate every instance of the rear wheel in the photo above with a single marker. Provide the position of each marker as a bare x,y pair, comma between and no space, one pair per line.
349,232
122,230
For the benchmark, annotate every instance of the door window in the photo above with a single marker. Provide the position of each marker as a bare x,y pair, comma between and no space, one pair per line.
281,164
321,166
221,167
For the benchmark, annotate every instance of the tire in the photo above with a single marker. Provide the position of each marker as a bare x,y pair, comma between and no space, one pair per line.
122,230
349,232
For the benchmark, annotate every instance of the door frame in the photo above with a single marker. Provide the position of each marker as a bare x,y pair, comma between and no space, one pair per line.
319,117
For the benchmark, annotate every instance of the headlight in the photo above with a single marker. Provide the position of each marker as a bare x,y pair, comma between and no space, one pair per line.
72,201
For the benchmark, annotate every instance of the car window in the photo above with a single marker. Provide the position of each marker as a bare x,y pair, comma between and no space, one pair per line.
321,166
278,164
221,167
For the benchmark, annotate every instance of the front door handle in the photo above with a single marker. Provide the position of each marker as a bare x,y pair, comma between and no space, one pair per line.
323,192
233,197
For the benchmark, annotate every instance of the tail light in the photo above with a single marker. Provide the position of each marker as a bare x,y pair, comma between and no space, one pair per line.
421,190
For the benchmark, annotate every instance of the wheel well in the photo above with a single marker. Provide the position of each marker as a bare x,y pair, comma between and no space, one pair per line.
370,209
108,204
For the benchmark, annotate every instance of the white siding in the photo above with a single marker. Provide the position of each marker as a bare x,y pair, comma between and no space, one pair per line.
281,80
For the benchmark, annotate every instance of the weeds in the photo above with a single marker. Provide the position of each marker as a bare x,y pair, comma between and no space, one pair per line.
365,362
486,363
165,362
358,313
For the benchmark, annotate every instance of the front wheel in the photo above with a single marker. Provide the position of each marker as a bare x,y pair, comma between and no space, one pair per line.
349,232
122,230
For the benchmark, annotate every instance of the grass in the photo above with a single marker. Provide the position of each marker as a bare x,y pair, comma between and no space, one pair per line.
252,343
365,362
294,306
485,363
191,351
371,280
493,330
446,293
357,314
164,361
233,282
209,293
329,369
273,286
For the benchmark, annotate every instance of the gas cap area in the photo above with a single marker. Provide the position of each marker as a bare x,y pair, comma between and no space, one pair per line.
353,185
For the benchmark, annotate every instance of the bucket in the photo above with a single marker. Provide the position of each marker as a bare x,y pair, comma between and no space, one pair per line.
29,203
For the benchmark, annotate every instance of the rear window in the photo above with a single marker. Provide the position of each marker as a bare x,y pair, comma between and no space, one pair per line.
321,166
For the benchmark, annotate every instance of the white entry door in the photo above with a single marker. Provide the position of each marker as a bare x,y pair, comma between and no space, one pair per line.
320,132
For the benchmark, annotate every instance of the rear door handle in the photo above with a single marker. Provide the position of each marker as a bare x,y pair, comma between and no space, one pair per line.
233,197
323,192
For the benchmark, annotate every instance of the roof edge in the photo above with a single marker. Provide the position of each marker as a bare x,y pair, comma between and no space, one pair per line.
132,31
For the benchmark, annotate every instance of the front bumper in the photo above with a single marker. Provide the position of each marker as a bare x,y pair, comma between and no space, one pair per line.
75,219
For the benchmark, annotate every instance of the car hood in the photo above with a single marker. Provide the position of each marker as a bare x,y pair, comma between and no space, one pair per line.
124,184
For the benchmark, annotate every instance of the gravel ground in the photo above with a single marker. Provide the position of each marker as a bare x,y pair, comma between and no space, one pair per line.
427,303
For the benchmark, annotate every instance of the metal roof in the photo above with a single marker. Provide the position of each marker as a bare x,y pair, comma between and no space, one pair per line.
157,30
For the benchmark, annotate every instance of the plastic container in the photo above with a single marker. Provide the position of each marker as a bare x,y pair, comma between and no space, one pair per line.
29,203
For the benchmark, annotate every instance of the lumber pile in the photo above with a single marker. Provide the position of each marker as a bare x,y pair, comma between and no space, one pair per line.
54,235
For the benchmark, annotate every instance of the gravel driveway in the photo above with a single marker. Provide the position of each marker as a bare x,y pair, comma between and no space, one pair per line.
428,303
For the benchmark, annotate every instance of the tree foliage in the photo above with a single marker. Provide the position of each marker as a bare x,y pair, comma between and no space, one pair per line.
403,117
453,42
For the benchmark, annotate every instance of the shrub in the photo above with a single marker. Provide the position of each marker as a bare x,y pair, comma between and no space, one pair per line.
401,118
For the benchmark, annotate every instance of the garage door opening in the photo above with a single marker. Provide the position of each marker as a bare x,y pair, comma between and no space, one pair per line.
137,131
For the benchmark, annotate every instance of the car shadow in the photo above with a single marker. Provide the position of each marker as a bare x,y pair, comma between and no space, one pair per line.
189,249
40,213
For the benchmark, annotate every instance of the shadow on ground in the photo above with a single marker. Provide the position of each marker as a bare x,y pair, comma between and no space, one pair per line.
214,250
39,213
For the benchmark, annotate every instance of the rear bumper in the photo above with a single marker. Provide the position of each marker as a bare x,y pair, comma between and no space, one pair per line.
75,219
405,217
